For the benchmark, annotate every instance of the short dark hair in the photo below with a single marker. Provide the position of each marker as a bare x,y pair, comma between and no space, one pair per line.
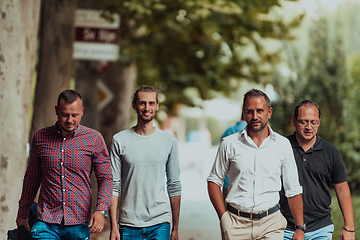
69,96
256,93
307,103
144,88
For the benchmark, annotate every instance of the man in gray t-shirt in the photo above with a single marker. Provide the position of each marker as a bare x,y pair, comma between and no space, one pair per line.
146,172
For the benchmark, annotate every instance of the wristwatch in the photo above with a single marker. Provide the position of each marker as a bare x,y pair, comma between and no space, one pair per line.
301,227
104,213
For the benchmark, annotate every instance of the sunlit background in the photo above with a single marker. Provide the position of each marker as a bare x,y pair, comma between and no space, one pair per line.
202,56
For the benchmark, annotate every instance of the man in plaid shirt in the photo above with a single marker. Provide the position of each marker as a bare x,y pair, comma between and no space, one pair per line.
62,158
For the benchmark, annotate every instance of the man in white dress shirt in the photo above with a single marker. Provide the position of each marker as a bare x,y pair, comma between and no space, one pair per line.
258,162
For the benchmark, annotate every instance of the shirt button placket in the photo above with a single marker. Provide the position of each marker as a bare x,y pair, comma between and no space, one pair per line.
257,172
62,172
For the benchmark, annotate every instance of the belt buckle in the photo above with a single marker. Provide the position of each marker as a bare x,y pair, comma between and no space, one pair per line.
251,215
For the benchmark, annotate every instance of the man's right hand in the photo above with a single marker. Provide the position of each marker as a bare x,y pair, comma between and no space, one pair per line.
298,235
23,222
114,234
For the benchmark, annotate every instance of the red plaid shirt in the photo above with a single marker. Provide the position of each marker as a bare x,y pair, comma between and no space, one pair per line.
63,165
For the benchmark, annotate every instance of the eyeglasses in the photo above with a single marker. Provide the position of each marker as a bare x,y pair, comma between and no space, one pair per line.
305,123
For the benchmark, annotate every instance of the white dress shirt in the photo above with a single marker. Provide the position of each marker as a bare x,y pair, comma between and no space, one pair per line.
255,172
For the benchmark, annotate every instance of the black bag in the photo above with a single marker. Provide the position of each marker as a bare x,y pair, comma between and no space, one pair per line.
21,232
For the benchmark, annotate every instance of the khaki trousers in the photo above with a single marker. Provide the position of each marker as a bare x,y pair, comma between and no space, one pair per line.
270,227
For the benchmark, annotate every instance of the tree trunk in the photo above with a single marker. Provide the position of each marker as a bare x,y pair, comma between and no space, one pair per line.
19,22
55,59
86,76
121,79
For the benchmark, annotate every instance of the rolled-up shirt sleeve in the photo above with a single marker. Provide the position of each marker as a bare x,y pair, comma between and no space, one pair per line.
290,174
220,167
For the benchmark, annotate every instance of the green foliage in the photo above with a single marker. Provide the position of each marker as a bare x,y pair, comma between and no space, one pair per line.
352,147
337,216
183,43
326,80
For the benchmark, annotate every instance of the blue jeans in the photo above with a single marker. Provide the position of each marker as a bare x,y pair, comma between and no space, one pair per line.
226,181
324,233
50,231
157,232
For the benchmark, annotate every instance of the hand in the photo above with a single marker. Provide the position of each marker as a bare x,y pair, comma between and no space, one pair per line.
174,235
298,235
346,235
114,234
23,222
97,222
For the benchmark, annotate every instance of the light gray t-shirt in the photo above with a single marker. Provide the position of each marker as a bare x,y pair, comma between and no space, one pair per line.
143,164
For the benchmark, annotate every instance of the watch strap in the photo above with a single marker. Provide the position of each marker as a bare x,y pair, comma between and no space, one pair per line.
104,213
301,227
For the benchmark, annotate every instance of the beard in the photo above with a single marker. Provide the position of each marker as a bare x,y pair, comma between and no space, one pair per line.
258,128
146,119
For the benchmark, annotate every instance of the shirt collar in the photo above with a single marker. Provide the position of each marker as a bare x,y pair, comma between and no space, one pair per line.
318,145
272,135
244,134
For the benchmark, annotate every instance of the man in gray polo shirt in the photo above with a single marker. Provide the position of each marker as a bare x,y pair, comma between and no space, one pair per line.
141,157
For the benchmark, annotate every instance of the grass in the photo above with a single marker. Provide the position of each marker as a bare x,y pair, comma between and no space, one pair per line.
337,217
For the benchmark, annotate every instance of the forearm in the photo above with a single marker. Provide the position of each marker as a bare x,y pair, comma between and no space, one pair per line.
175,203
104,178
296,207
104,196
113,212
28,196
344,198
216,198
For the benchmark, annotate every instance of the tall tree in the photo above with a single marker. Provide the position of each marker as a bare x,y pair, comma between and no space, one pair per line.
55,67
119,78
177,44
325,79
18,40
86,77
